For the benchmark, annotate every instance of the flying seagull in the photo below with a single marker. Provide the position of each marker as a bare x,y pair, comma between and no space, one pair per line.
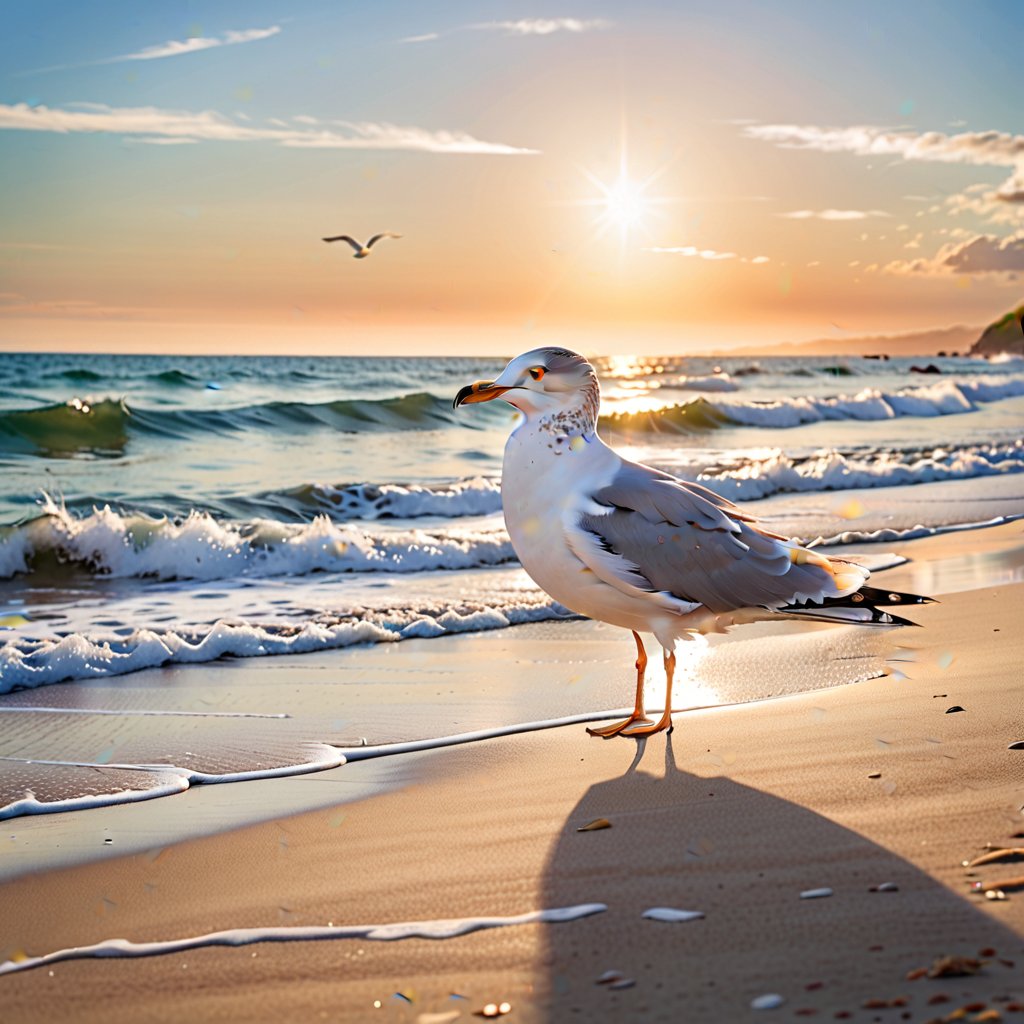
362,251
637,548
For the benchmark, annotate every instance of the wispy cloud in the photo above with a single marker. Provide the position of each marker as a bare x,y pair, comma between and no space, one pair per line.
988,148
520,27
993,148
175,48
1011,190
545,26
833,214
703,254
152,124
980,254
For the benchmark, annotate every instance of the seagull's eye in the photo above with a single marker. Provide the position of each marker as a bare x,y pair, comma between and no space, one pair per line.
537,372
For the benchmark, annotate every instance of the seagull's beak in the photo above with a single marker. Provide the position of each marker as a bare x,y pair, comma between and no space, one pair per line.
481,391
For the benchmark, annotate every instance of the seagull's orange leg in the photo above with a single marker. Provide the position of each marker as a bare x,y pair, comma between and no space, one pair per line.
665,722
638,708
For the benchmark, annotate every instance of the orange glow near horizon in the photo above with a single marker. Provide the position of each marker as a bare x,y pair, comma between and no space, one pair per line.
622,190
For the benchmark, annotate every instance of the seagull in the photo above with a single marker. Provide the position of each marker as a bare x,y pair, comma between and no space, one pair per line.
634,547
362,251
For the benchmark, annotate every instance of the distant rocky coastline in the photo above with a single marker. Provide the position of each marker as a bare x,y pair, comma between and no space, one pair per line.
1005,335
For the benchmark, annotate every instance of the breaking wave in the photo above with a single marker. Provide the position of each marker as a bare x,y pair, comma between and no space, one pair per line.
105,426
27,663
109,543
946,398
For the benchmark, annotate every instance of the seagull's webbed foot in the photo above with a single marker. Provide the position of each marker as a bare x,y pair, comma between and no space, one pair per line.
607,731
649,728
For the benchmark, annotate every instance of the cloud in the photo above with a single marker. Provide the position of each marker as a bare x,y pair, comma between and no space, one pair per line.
176,47
988,148
981,254
992,148
833,214
152,124
545,26
520,27
1011,190
703,254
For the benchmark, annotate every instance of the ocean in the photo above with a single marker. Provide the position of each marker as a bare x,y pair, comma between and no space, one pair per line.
170,510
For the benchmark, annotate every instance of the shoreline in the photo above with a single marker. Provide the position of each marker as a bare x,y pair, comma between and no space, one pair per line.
735,814
360,684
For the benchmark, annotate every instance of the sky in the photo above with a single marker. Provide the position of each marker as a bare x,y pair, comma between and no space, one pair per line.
617,177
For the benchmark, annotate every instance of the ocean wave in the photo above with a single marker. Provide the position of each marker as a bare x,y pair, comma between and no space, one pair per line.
747,479
75,426
27,663
104,426
832,470
109,543
477,496
314,525
944,398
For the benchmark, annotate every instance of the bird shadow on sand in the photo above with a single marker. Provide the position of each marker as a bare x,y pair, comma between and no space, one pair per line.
743,857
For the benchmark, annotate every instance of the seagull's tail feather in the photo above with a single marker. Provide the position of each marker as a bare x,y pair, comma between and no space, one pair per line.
862,607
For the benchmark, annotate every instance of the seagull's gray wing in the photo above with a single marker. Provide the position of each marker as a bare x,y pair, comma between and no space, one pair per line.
376,238
347,238
653,535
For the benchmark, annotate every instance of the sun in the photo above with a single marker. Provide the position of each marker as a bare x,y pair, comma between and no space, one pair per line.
625,205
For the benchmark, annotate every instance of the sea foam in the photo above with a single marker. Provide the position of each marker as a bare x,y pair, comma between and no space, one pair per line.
439,929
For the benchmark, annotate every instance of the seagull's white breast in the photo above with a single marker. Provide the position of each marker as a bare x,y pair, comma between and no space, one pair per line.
545,485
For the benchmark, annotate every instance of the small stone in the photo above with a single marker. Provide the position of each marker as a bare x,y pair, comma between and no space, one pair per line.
885,887
623,983
769,1001
954,709
672,914
815,894
874,775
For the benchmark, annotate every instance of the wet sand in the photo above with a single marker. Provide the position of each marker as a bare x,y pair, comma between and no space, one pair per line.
735,814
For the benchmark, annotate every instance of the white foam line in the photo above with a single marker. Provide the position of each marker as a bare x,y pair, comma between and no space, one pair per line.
177,780
434,743
440,929
114,711
912,533
174,783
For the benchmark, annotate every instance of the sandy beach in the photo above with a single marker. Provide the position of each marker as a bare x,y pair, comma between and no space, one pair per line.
734,815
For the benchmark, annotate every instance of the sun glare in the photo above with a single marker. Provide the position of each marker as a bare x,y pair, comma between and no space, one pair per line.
624,204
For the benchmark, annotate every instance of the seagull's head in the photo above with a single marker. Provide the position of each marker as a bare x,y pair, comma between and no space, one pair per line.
539,382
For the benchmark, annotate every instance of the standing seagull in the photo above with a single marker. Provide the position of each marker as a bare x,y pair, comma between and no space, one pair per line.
637,548
362,251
